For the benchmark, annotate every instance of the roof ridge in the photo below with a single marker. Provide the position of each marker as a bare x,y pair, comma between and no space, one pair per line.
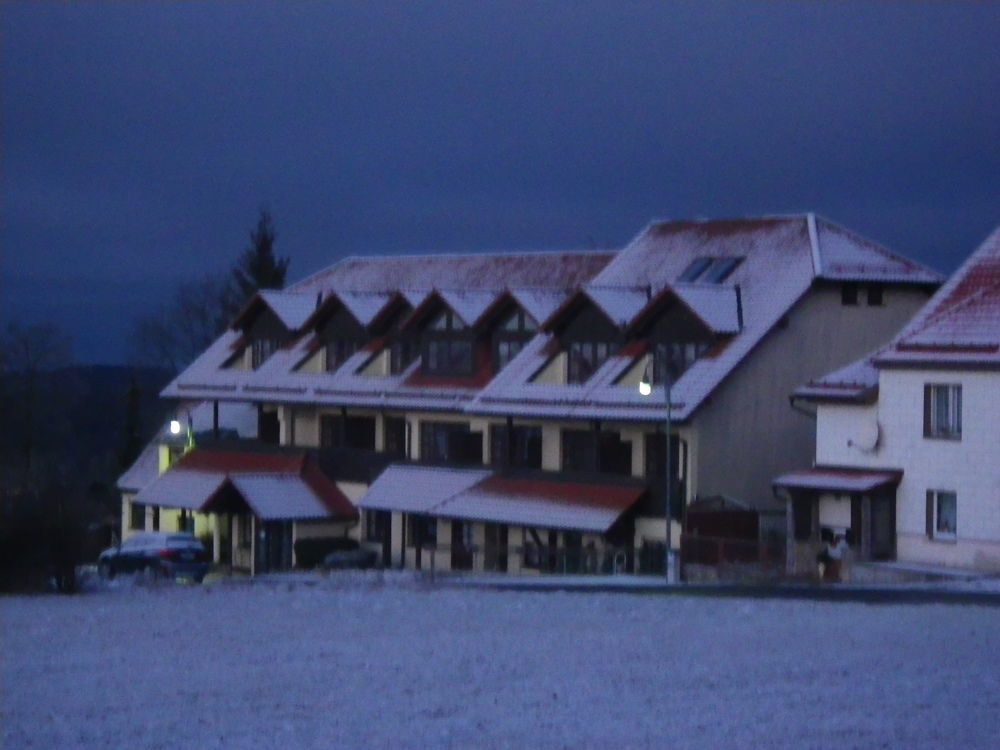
876,246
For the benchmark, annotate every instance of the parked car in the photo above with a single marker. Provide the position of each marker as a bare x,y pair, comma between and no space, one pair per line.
156,554
350,555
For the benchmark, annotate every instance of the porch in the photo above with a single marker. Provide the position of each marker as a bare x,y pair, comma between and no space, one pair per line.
826,501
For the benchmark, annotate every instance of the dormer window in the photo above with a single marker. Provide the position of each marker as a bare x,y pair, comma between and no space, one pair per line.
510,337
674,358
338,352
585,357
710,270
261,349
400,355
447,346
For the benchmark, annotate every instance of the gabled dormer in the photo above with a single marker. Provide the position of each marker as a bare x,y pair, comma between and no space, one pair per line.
442,327
680,323
509,326
589,328
269,321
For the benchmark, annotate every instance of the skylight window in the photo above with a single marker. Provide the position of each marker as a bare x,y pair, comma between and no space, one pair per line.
710,270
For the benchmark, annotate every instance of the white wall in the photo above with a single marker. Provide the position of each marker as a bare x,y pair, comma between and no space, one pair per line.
970,467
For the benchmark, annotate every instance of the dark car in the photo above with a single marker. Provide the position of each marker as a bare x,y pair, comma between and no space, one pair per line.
156,554
350,555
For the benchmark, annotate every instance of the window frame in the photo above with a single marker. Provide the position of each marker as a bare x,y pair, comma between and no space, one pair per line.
935,501
579,359
943,403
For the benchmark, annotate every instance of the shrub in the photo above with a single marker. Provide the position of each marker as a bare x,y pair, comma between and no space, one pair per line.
309,553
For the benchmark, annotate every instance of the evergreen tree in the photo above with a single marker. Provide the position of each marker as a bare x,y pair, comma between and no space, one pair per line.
258,268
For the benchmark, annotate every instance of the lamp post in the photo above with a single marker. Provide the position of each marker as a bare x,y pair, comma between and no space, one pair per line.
645,389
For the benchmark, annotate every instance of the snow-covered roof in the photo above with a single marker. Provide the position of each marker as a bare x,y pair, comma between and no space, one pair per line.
777,259
550,504
417,489
780,258
481,495
274,497
837,479
959,325
273,485
292,309
143,470
857,382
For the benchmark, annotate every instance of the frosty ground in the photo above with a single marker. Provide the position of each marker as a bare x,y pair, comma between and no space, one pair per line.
362,661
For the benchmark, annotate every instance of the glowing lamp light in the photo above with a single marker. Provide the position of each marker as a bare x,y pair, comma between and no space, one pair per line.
645,388
175,427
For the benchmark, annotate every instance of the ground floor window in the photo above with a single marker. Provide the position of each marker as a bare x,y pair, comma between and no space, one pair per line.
942,514
156,518
421,531
185,521
137,516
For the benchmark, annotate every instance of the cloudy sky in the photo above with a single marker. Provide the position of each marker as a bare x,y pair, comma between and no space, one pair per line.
139,140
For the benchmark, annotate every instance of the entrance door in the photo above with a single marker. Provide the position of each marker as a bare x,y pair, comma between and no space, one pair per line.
274,546
496,548
883,531
461,545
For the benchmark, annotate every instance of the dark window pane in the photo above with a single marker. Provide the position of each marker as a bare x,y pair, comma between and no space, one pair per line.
849,294
695,269
875,295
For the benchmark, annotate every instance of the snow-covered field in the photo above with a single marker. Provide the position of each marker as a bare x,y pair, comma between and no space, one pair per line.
354,662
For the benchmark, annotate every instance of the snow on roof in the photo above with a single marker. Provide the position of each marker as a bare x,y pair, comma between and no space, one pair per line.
542,503
144,470
960,324
279,497
417,489
292,309
539,303
846,256
457,271
620,304
836,479
717,305
274,485
480,495
857,381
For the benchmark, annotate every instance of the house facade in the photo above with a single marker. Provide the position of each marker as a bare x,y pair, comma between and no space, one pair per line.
483,412
907,453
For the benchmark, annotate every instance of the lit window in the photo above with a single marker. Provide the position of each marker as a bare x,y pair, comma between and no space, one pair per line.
943,411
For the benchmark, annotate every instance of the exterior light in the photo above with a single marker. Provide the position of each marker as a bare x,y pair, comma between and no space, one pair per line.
175,427
645,389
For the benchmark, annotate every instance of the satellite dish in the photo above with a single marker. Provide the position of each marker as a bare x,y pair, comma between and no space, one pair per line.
867,437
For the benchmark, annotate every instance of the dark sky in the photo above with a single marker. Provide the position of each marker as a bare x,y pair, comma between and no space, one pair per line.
140,140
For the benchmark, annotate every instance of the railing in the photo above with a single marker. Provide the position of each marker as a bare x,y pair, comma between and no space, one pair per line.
707,550
530,559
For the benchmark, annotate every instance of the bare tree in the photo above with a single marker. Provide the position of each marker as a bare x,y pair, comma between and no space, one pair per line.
179,331
25,353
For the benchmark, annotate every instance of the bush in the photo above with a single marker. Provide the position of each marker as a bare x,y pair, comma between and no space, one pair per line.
309,553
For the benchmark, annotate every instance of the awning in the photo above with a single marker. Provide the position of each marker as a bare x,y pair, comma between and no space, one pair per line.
478,495
839,479
417,489
271,486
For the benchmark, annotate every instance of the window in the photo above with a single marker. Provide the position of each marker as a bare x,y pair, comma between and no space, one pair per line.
185,521
674,358
156,518
338,352
450,442
875,295
943,411
260,350
942,515
137,516
377,525
710,270
505,352
695,269
584,359
849,294
395,437
349,432
603,452
523,450
421,531
400,356
447,346
448,357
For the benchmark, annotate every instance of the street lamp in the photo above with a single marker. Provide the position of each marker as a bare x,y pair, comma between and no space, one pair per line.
645,389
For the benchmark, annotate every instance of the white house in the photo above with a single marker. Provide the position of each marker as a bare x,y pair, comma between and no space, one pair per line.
908,439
